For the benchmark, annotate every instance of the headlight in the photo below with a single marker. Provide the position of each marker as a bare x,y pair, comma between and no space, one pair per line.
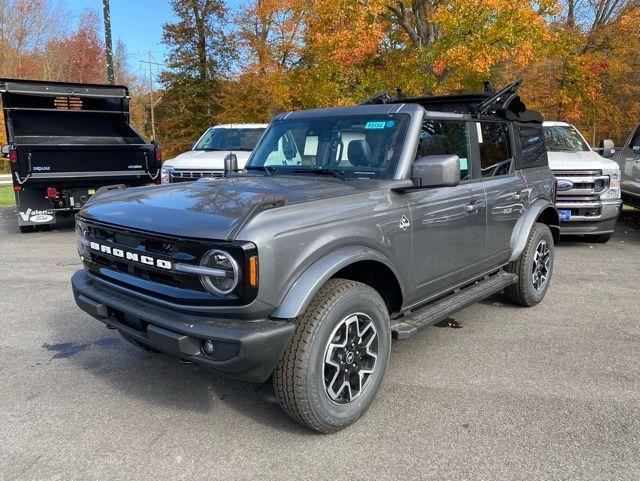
165,174
226,280
614,184
81,238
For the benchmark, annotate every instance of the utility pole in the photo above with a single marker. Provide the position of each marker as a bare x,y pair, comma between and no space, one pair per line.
151,61
107,41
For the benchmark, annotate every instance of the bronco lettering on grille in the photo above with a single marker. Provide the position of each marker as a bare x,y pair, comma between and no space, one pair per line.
131,256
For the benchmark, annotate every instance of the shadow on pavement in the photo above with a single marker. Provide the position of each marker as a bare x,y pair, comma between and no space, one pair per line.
161,379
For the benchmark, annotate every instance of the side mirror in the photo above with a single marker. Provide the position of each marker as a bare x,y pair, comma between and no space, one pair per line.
437,171
5,151
230,163
608,148
636,149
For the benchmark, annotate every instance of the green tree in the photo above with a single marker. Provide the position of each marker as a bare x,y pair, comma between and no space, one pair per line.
199,52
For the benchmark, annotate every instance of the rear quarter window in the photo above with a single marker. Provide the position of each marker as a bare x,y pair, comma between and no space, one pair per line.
532,145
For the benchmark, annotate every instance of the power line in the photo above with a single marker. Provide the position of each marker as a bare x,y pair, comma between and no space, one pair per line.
151,62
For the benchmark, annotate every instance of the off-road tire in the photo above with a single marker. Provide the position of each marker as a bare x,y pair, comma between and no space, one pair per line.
599,238
298,379
523,292
137,343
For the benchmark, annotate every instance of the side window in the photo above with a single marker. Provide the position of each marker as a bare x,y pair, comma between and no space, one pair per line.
446,137
534,150
496,155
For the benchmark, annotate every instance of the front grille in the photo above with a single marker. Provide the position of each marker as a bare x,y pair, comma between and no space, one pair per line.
159,278
191,175
587,187
158,247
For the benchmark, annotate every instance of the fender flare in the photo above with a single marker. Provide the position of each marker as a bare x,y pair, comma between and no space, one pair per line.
303,290
521,231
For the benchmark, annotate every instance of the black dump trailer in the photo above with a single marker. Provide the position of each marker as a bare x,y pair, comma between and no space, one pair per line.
67,140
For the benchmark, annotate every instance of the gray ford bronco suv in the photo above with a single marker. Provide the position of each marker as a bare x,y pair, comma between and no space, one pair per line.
350,226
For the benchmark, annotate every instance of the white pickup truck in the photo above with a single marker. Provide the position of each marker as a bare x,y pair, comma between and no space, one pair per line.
206,158
588,184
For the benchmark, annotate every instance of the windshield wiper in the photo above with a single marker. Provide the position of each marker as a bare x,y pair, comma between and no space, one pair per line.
338,174
267,169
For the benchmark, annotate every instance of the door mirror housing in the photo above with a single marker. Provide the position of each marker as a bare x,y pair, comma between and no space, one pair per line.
436,171
608,148
5,151
636,149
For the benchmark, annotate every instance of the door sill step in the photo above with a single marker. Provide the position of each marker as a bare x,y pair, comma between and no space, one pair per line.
408,326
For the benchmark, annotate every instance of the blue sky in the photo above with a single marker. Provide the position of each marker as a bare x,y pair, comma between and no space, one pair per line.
138,23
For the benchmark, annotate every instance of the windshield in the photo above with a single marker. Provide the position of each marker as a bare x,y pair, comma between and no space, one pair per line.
564,138
229,139
363,146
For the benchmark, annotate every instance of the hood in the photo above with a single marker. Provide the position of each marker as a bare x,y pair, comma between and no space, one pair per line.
587,160
209,208
206,159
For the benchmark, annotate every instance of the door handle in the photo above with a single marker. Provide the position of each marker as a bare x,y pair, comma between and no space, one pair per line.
474,206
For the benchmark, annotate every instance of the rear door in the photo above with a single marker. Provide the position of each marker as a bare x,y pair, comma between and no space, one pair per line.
505,188
449,223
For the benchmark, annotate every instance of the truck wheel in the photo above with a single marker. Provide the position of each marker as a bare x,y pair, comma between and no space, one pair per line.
533,268
137,343
599,238
331,371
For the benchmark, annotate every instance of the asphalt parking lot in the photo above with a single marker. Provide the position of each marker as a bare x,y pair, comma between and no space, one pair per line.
514,394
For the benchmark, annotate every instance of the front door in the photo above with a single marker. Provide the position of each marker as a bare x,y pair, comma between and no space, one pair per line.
449,223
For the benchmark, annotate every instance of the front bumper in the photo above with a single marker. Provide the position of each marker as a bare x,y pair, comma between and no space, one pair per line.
604,223
246,350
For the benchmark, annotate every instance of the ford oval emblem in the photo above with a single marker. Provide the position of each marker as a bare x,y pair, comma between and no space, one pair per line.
564,185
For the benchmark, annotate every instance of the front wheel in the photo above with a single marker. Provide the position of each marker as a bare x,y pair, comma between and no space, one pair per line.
533,268
331,371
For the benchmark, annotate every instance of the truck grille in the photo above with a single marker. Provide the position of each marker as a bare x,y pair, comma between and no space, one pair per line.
158,247
583,197
158,278
191,175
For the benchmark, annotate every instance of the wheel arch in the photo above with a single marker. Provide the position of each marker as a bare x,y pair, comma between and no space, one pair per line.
357,263
539,211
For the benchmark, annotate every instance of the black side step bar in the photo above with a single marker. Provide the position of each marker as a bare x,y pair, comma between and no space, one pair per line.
408,326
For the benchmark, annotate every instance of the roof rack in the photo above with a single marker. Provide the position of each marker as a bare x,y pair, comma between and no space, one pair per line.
505,100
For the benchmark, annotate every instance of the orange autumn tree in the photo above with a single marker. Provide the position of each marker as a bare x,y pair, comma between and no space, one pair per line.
591,76
270,45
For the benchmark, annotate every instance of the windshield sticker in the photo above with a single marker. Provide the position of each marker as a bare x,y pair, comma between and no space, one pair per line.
463,163
375,125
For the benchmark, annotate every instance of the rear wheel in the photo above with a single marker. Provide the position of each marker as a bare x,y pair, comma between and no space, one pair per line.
331,371
533,268
599,238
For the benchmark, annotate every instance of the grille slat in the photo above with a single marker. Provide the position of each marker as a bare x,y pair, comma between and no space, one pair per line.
191,175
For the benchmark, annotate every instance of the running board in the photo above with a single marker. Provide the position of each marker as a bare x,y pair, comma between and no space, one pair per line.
409,325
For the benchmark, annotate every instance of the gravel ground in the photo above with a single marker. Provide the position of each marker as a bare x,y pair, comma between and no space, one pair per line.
514,394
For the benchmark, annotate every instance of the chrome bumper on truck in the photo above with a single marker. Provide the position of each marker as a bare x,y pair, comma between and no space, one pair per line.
579,205
243,349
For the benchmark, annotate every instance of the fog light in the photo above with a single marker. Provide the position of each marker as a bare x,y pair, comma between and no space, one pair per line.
209,347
